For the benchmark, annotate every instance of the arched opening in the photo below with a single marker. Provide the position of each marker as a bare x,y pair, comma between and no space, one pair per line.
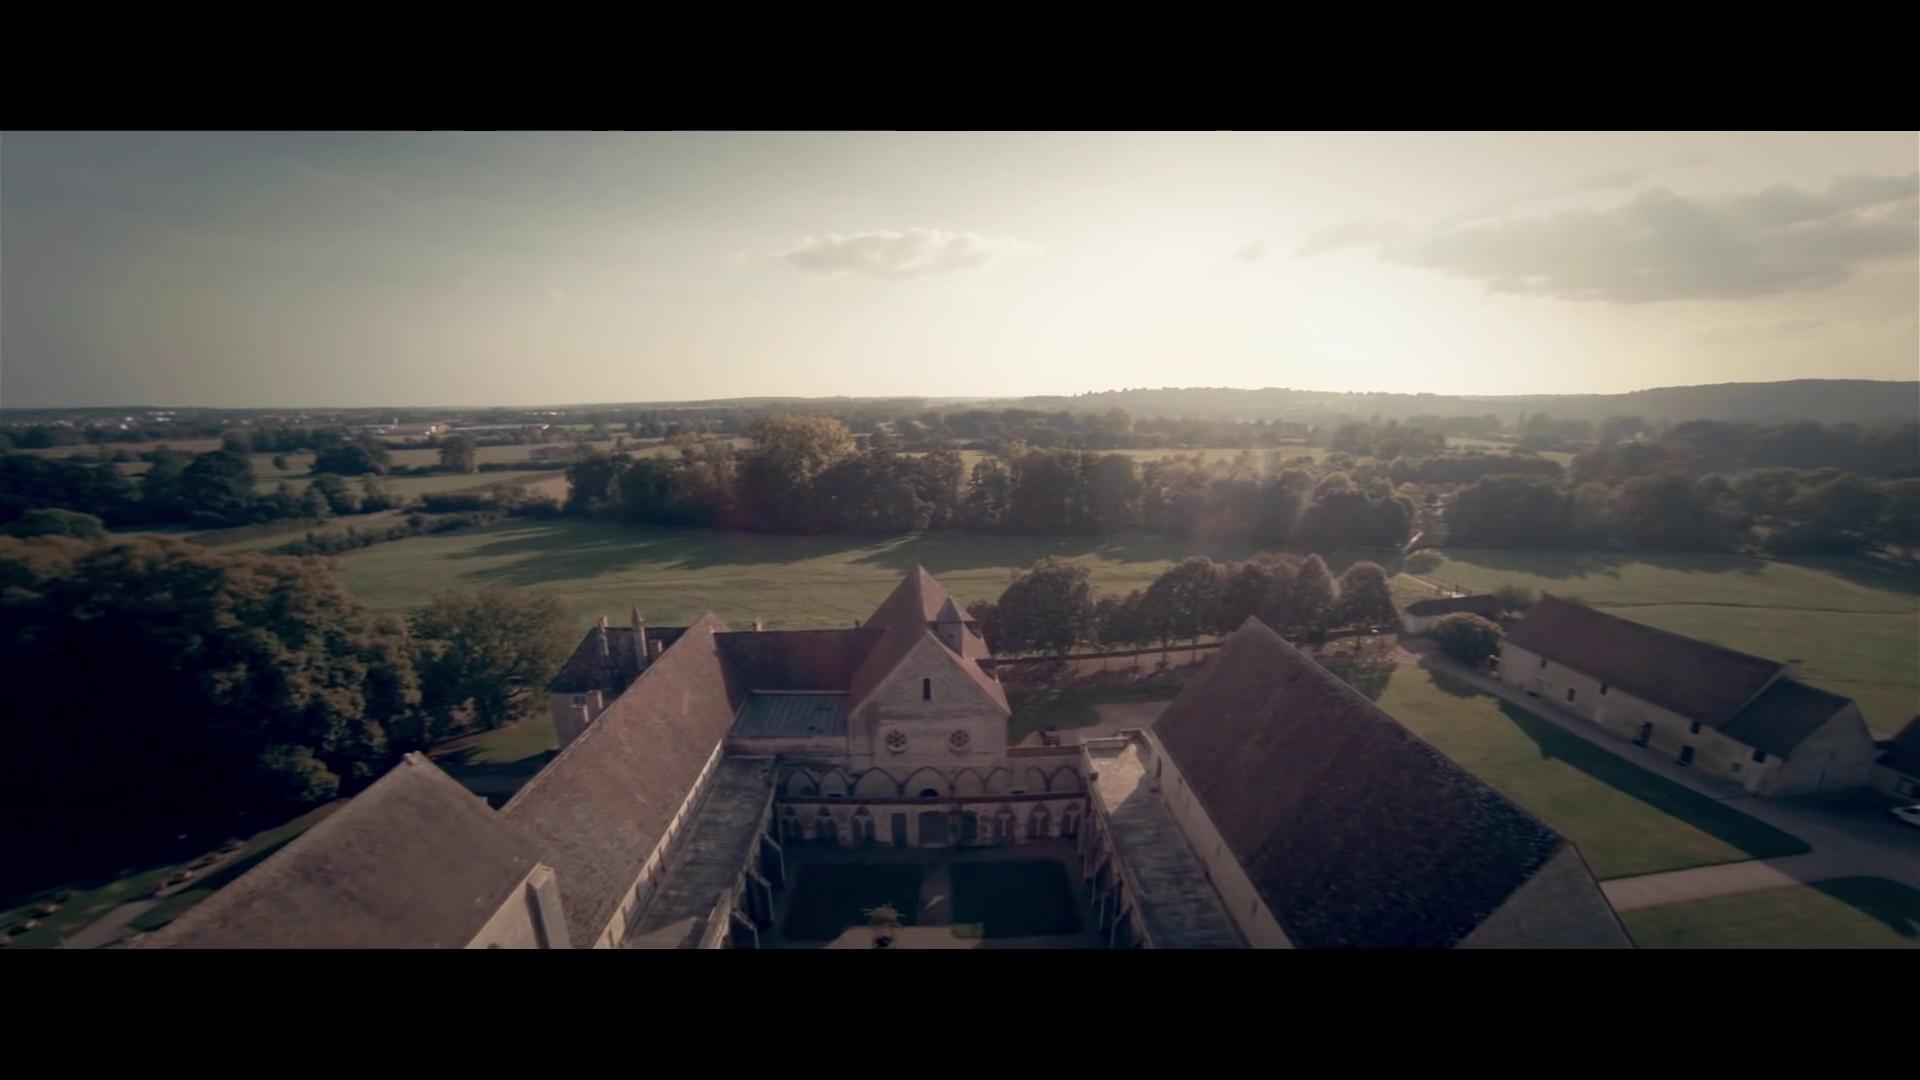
929,793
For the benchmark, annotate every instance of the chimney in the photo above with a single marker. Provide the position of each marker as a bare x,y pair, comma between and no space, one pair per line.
639,640
606,648
653,649
758,626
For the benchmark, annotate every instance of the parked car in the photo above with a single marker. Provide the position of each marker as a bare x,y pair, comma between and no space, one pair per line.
1908,814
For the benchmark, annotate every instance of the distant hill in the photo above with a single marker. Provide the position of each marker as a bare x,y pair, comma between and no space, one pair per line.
1823,400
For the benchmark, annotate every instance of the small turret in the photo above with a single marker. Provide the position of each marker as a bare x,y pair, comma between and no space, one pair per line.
639,640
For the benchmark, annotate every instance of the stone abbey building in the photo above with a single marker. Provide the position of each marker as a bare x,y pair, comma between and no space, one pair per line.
1272,806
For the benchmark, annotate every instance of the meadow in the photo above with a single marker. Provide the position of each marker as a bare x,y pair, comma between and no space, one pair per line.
1854,624
602,568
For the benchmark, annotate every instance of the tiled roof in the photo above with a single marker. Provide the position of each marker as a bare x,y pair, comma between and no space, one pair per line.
1696,679
796,659
1356,833
1782,717
598,809
587,670
415,861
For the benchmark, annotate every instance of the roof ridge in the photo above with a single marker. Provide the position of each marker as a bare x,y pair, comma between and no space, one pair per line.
1544,596
539,779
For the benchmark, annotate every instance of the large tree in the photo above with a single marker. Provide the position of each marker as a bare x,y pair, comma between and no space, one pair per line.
1467,638
249,680
1184,601
1049,608
459,453
489,652
1365,599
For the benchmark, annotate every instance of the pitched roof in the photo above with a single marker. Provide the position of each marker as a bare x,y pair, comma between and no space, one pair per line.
599,808
1694,678
1356,833
905,618
1904,754
587,670
916,600
1482,604
796,659
415,861
1782,717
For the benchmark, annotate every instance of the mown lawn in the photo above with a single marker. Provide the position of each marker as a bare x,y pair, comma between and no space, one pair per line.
1839,914
1624,819
1013,898
603,568
828,900
1855,624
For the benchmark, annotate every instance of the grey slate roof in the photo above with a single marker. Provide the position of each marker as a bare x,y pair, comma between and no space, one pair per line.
415,861
1357,833
791,715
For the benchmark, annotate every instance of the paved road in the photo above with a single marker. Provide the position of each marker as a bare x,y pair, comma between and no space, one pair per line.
1845,843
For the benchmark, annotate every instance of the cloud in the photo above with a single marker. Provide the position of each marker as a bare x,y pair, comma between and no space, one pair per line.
901,253
1253,252
1661,246
1350,234
1756,332
1614,180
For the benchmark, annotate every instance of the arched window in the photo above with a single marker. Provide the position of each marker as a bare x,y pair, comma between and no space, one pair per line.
1039,824
929,793
926,689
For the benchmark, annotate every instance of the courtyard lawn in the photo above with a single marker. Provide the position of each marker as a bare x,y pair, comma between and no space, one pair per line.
1839,914
602,568
1854,623
1624,819
828,900
1014,898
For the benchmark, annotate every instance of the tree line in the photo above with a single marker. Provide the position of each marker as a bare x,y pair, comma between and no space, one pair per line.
252,681
802,474
1053,607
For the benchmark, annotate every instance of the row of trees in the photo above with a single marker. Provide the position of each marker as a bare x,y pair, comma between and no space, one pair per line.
259,680
1785,511
1053,607
802,475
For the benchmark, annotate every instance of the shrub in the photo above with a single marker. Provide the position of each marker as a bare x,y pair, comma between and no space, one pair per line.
1469,639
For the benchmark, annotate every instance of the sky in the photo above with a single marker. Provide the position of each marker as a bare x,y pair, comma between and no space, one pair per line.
315,269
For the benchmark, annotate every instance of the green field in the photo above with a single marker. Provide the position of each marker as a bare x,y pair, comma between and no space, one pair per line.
1838,914
1624,819
603,568
1854,624
1012,898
